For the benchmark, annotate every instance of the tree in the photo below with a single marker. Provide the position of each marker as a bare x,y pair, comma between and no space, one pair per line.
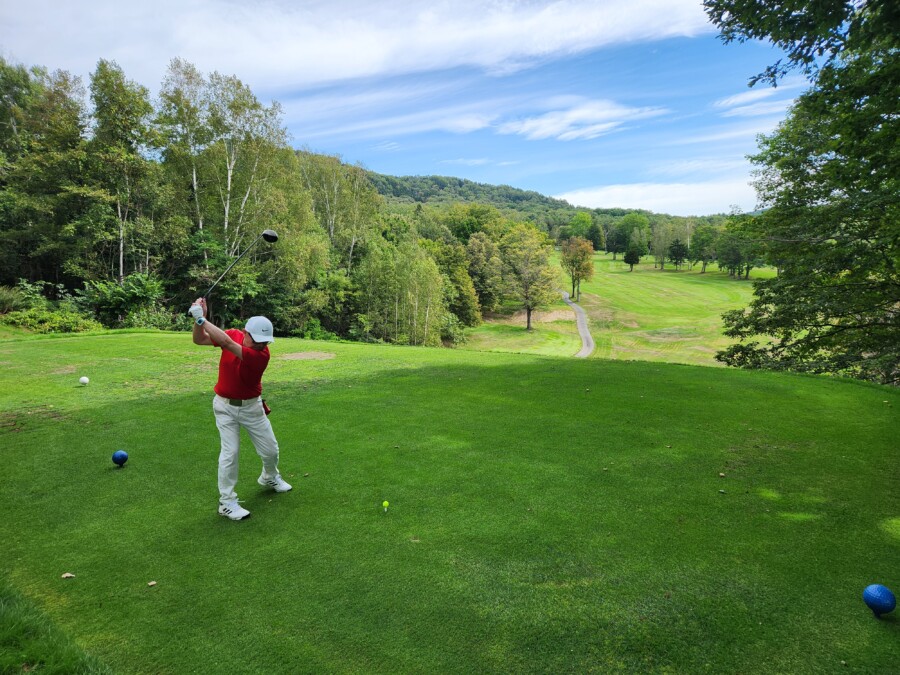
828,181
183,118
815,33
633,255
595,236
527,272
579,224
678,252
122,135
464,220
246,137
703,246
485,270
452,262
577,260
621,234
53,224
659,244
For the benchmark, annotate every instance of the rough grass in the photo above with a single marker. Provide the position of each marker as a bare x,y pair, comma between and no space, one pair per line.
547,514
553,332
30,643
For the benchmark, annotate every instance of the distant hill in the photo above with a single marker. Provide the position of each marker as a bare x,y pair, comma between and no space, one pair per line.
445,190
405,191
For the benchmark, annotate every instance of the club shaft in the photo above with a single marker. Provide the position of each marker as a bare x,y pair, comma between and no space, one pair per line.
206,295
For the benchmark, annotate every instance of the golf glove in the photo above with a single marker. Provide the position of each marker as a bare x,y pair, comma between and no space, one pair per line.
196,311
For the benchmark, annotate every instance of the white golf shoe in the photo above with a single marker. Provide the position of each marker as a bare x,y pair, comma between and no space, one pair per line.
278,483
233,510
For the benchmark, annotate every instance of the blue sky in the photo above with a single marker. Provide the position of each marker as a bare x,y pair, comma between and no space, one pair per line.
605,104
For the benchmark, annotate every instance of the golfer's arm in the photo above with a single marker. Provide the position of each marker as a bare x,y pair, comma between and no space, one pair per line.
200,336
220,338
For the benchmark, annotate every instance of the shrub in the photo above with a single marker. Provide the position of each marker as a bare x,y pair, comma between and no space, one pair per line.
453,332
313,331
112,301
11,299
154,316
47,320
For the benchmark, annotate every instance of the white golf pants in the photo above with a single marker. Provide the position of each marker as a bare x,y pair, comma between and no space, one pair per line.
229,420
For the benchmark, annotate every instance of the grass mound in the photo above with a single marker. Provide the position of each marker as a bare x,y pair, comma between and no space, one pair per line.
546,514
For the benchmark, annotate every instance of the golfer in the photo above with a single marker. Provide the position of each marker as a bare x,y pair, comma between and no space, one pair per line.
245,355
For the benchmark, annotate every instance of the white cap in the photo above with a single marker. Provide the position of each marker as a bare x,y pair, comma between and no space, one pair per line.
260,329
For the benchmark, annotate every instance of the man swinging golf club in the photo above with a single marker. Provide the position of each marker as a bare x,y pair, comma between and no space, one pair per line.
245,355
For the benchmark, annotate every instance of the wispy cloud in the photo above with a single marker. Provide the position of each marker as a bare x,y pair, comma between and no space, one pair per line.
744,98
759,109
745,131
281,44
586,120
681,199
386,146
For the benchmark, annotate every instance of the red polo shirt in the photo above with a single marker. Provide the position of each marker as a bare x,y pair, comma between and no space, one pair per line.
241,378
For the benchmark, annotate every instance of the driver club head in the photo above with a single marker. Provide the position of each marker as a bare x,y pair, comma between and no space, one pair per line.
270,236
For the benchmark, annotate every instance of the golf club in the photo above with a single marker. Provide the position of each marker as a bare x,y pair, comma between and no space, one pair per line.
269,235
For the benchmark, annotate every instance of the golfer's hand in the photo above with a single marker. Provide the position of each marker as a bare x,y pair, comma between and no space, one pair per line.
202,303
196,311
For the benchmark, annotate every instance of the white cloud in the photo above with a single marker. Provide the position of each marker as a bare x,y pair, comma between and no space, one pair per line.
744,98
460,119
679,199
586,120
280,45
386,146
759,109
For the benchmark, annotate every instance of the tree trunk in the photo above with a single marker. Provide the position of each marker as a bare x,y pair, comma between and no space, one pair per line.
528,321
121,243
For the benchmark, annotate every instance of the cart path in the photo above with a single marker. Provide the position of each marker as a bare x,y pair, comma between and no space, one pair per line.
587,342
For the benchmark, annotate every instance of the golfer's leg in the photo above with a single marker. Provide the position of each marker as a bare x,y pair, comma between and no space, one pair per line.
257,424
230,435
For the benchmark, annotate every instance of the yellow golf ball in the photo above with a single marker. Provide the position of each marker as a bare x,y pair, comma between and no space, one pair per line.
385,503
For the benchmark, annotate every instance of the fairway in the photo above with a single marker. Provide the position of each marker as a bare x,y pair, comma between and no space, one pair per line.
547,514
661,315
644,315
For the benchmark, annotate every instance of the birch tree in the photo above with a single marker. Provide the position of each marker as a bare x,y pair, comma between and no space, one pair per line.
122,134
245,138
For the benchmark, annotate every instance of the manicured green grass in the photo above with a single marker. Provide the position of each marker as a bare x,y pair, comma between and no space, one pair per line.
661,315
547,514
553,332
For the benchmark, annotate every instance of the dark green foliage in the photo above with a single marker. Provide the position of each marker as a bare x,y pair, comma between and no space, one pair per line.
486,270
703,246
112,302
829,181
595,236
11,299
633,254
814,33
678,252
453,264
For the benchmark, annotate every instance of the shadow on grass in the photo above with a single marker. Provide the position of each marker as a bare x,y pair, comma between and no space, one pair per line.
549,515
